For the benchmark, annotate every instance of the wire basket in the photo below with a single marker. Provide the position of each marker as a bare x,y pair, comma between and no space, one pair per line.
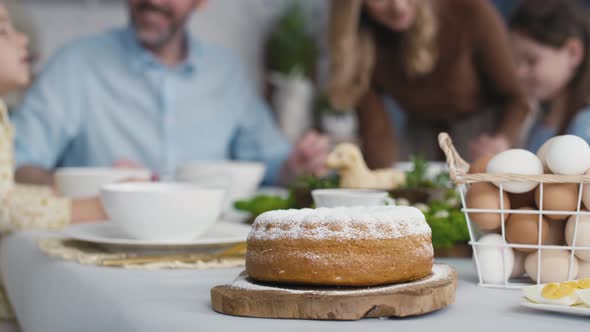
458,170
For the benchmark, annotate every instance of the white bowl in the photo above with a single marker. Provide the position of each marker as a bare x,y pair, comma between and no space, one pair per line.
331,198
240,178
79,182
162,211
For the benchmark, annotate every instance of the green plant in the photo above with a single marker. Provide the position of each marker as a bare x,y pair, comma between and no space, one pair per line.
417,178
306,183
310,182
447,222
263,203
292,49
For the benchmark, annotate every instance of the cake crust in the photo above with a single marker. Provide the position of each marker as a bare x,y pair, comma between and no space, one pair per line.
340,247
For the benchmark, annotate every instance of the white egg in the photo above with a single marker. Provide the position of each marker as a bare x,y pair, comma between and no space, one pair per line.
584,296
516,161
533,294
582,235
495,264
554,265
568,155
542,152
518,268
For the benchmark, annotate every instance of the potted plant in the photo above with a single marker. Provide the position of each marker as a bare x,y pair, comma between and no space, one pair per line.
291,58
340,126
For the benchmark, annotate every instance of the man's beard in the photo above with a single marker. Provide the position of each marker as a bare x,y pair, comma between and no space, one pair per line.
165,36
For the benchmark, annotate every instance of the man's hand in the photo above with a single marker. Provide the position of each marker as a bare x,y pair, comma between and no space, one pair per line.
486,144
130,164
127,163
308,157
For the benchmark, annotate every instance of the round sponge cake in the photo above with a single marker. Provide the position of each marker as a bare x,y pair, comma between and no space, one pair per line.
352,246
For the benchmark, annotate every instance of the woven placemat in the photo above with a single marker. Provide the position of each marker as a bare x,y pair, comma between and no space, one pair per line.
91,254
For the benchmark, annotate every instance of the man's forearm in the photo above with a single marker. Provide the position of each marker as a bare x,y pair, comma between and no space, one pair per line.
34,175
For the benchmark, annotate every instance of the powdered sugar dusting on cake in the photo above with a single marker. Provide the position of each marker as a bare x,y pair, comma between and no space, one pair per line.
383,222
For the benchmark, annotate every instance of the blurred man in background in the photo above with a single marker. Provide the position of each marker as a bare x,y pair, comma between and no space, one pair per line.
151,95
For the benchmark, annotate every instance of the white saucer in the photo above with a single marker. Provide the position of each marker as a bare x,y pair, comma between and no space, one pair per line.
575,310
106,233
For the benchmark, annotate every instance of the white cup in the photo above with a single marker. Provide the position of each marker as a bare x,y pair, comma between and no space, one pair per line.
350,197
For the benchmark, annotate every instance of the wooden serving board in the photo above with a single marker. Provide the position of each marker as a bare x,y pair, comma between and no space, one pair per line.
245,297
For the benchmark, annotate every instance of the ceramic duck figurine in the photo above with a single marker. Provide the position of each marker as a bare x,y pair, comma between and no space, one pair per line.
348,160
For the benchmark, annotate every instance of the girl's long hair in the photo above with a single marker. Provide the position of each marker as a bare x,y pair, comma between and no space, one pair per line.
353,48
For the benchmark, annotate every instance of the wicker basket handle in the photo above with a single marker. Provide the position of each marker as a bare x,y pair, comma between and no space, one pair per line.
457,165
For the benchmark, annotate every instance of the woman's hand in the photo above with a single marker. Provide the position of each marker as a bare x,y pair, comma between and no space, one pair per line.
308,157
486,144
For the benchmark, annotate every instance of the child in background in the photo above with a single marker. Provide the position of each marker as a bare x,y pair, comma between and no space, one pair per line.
27,207
551,41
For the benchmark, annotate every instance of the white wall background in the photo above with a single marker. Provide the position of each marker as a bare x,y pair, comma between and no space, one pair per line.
241,25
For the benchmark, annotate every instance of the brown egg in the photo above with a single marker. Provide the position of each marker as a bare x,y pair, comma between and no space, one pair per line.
556,232
582,235
524,229
480,165
522,200
486,196
558,197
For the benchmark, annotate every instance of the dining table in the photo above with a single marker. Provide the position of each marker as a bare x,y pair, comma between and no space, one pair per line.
49,294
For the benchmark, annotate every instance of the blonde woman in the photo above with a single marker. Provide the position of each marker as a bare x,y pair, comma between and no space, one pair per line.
442,61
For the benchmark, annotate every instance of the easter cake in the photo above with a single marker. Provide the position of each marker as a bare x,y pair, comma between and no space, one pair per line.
353,246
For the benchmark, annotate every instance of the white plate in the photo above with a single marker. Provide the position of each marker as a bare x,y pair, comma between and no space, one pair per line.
222,233
575,310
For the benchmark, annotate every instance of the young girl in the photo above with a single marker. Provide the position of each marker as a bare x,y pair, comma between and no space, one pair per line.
551,40
27,207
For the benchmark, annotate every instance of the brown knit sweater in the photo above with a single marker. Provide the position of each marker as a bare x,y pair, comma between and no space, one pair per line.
474,70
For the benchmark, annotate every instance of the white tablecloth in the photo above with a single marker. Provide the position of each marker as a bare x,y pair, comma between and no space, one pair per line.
52,295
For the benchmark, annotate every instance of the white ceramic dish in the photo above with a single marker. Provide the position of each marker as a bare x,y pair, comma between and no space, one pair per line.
106,233
80,182
162,212
350,197
240,178
575,310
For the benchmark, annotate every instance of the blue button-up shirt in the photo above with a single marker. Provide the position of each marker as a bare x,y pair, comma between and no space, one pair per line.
105,97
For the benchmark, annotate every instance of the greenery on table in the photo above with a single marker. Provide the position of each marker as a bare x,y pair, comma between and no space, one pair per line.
447,222
310,182
292,49
263,203
418,179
